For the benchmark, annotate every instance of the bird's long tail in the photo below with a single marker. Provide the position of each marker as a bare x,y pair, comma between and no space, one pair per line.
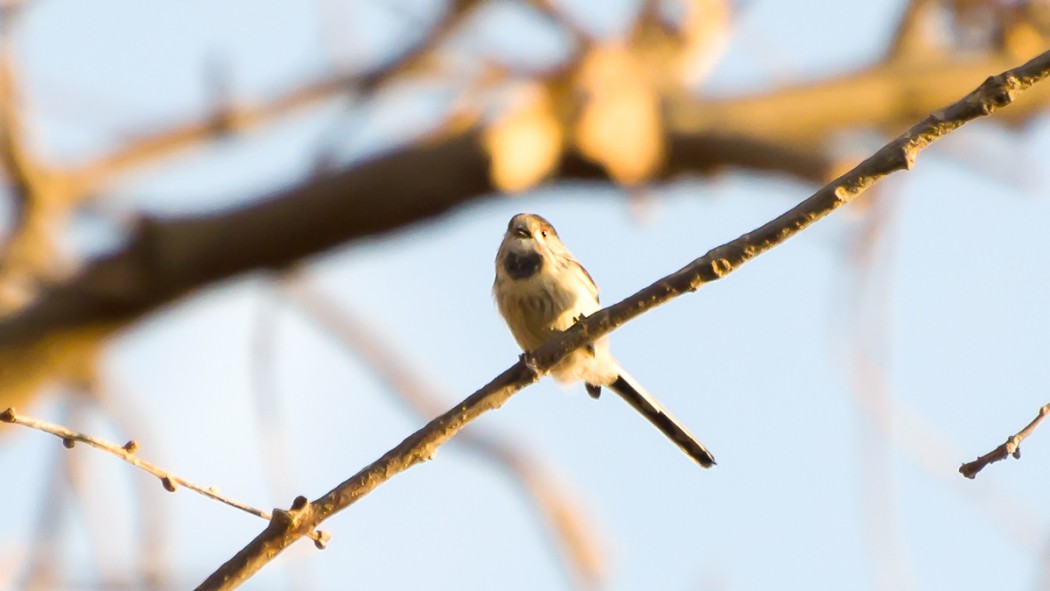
650,408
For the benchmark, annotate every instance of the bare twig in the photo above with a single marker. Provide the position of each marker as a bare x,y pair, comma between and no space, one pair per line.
890,415
288,526
127,453
226,119
1011,447
932,451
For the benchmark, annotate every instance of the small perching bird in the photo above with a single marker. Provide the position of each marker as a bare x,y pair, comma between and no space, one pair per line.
541,290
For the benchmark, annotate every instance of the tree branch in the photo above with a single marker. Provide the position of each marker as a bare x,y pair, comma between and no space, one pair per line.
561,513
127,453
1011,447
288,526
44,196
781,131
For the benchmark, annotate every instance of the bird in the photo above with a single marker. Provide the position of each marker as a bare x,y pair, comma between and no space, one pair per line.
541,290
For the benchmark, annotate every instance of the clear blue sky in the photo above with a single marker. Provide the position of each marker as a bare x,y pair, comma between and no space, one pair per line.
813,490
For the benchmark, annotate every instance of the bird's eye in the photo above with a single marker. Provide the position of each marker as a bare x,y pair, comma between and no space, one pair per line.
543,233
522,233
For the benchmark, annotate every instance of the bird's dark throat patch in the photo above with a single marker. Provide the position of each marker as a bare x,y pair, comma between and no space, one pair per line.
522,266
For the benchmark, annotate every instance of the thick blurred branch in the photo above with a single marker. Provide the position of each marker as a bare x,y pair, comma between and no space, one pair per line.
777,131
166,259
783,125
1011,447
782,130
45,196
885,96
288,526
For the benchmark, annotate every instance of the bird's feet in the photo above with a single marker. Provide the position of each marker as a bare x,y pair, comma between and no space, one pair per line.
530,362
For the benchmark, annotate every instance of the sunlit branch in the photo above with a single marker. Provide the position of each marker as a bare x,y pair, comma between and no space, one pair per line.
562,513
900,154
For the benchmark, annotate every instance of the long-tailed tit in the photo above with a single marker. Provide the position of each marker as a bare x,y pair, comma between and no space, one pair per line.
542,290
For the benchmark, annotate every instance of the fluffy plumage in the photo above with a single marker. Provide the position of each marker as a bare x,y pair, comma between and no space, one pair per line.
541,290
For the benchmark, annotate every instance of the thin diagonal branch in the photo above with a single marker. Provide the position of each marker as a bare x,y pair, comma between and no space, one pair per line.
561,512
1011,447
127,453
288,526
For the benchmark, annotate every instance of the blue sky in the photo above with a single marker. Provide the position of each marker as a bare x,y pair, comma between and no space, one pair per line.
813,489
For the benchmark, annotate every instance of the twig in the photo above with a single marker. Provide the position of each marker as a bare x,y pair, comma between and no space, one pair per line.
1011,447
29,254
932,451
288,526
892,417
127,453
